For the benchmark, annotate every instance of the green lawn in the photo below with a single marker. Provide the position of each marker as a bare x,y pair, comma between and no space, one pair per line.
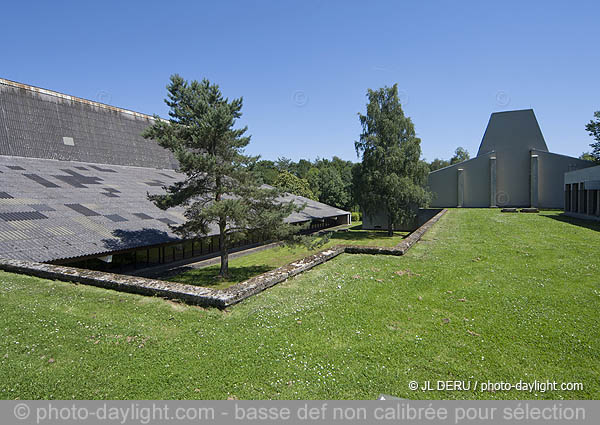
485,296
243,268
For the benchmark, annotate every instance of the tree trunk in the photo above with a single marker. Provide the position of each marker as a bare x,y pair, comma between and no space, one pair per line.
390,226
224,271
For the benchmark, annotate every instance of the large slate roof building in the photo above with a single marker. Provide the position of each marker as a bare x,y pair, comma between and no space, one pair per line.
73,181
513,167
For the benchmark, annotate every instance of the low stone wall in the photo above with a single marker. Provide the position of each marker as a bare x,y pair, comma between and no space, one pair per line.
403,246
200,295
256,284
415,236
188,293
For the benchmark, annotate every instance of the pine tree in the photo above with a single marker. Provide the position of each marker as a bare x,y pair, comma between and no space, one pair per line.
218,188
391,176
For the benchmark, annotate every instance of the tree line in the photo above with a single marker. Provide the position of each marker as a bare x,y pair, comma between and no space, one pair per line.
324,180
331,181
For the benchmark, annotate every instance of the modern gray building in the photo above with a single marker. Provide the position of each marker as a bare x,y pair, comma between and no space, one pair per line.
73,181
513,168
582,193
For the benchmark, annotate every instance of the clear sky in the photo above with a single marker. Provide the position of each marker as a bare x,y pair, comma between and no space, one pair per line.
303,67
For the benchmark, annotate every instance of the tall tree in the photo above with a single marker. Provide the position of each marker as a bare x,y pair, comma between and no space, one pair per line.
333,190
314,181
265,170
218,187
437,163
392,175
290,183
460,155
586,156
302,168
593,127
285,164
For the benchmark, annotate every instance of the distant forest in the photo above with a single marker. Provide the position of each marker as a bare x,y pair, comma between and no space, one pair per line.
330,181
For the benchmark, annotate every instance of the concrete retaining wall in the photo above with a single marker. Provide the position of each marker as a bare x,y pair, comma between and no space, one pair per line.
199,295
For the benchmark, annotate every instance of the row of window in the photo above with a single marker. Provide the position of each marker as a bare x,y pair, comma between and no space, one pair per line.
580,200
153,256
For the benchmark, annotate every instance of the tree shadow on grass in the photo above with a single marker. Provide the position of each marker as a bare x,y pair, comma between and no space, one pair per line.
588,224
208,276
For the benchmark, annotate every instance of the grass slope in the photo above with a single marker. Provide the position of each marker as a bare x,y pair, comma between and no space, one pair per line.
243,268
519,292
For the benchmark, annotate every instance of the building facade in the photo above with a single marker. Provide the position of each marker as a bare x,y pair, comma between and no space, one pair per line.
582,193
513,168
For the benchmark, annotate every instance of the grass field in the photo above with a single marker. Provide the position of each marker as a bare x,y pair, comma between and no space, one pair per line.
243,268
484,296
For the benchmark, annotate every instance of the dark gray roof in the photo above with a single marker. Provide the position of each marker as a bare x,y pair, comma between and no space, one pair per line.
40,123
312,210
52,209
513,131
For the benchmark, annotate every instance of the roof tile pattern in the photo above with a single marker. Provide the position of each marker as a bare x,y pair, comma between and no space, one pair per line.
37,123
74,217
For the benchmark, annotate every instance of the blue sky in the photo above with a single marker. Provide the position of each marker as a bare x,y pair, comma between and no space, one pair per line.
303,67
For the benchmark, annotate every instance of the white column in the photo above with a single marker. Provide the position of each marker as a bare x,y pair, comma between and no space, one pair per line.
533,191
492,181
461,187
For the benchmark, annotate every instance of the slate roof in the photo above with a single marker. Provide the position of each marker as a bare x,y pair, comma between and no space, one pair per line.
40,123
51,209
